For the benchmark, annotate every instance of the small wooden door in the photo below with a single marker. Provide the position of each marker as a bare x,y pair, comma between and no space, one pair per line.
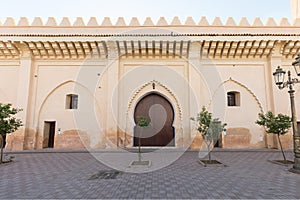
160,113
218,142
49,134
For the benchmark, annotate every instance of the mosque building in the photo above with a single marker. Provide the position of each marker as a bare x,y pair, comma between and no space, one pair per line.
84,85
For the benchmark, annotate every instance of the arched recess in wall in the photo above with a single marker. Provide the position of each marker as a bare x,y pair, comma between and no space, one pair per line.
154,86
146,89
55,89
53,108
243,86
241,118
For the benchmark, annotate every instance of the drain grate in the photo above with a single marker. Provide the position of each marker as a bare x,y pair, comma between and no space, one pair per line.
105,174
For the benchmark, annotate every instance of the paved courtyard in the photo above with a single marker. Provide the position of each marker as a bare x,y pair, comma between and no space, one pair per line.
39,175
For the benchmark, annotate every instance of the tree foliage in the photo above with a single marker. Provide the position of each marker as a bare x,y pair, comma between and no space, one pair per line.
278,125
143,121
208,127
8,123
203,121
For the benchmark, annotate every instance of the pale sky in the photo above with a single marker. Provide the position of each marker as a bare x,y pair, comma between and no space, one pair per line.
145,8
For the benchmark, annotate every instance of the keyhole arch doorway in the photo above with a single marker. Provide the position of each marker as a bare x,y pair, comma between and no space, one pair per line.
160,112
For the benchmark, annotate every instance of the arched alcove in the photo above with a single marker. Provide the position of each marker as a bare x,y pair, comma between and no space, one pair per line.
71,129
160,113
241,128
166,94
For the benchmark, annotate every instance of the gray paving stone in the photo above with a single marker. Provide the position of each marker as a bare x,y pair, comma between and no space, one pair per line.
50,175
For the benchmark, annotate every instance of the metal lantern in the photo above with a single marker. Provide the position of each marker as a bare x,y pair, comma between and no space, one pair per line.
296,65
279,76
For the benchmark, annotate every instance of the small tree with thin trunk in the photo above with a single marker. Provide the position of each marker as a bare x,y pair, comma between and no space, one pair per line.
143,122
209,128
278,125
8,123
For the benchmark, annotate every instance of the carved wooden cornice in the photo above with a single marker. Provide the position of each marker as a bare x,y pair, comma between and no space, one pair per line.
147,48
140,40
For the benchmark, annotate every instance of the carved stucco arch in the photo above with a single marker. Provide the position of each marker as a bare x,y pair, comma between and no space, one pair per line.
243,86
163,90
51,92
137,96
48,95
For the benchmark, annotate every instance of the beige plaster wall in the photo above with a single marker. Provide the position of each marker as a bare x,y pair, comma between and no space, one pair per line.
109,91
239,76
37,71
55,82
9,76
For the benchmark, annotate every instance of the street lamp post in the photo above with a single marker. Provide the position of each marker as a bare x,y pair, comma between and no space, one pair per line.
279,81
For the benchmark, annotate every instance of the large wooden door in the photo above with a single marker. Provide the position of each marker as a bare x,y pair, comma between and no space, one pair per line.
160,113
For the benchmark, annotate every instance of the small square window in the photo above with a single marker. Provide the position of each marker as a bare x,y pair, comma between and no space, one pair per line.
233,98
72,101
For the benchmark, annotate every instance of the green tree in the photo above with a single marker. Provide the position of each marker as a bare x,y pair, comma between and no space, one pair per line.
8,123
208,127
142,122
278,125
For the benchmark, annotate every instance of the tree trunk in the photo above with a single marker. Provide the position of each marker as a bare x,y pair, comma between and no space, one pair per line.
139,151
281,148
208,149
2,143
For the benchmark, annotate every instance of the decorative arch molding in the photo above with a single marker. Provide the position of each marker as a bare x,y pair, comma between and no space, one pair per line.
243,86
134,98
146,89
39,120
53,90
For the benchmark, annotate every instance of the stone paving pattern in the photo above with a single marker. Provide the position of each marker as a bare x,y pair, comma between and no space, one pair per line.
65,175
